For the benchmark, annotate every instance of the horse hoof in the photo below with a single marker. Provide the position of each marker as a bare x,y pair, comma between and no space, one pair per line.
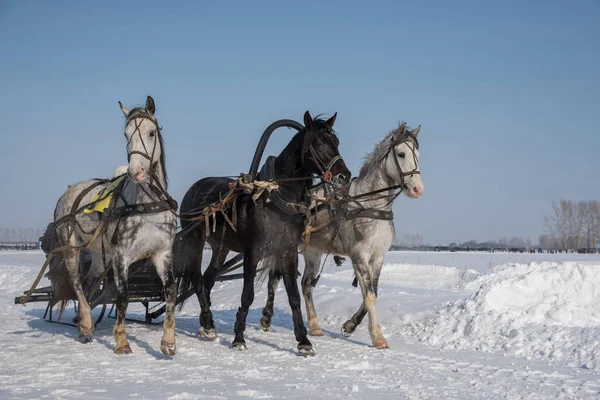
316,332
85,338
265,326
348,329
306,350
381,344
208,334
240,346
168,349
125,349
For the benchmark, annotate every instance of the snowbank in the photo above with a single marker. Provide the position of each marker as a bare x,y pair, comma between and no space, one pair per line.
538,310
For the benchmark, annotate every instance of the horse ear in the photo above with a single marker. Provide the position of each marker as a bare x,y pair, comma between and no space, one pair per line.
308,121
331,121
150,106
415,131
400,131
124,109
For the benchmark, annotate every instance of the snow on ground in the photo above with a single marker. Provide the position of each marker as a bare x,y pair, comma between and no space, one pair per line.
538,310
460,326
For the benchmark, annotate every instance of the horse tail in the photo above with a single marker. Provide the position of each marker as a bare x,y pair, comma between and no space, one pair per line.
61,282
187,253
266,267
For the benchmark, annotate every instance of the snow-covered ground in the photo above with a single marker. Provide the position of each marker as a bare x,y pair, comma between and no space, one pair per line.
460,326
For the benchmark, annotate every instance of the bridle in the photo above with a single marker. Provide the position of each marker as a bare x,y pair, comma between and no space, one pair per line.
149,157
324,168
392,146
153,182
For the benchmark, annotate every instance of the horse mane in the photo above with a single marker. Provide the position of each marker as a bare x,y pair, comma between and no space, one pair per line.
393,138
140,112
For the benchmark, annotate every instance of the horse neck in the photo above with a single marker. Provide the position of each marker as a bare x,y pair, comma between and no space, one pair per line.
374,179
289,165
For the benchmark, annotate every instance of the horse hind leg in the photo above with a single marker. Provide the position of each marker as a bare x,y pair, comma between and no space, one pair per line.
312,260
265,321
164,267
120,276
85,326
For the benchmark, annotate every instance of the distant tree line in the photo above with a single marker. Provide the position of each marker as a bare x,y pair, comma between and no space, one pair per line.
22,235
572,225
410,240
503,243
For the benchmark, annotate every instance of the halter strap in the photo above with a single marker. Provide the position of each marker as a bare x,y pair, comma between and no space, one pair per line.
415,171
324,168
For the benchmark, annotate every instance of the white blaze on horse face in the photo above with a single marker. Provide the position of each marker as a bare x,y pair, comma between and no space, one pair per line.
406,154
141,140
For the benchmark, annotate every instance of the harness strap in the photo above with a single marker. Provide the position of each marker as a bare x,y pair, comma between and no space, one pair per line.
141,208
372,213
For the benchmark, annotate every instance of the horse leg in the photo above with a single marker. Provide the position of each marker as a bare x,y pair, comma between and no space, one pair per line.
164,267
250,262
290,280
208,329
312,260
368,279
85,326
265,321
121,267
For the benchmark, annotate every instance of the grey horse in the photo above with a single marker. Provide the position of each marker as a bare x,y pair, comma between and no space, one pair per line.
127,237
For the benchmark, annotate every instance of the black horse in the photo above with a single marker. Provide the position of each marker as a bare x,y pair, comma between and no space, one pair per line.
268,227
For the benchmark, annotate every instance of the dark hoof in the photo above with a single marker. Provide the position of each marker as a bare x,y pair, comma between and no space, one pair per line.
208,334
85,338
168,349
265,325
125,349
239,346
348,329
306,350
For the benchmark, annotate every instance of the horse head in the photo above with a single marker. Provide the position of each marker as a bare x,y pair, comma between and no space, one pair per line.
402,161
144,142
320,154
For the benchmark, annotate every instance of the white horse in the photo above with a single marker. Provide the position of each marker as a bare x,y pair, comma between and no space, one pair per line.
364,231
142,226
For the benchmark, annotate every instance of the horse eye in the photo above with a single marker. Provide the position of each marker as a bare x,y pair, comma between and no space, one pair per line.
401,154
151,134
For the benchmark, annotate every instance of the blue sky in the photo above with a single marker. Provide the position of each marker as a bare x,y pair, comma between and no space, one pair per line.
507,94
